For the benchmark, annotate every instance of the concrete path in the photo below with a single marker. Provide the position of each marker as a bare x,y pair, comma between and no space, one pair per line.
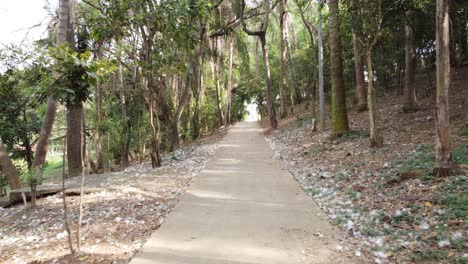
243,208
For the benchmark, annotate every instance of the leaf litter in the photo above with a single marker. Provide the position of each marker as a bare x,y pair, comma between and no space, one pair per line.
118,217
386,200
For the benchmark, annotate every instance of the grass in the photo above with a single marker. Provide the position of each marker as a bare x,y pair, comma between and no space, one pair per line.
422,158
454,196
53,167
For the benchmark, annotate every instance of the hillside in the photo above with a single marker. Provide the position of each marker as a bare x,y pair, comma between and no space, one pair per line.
388,201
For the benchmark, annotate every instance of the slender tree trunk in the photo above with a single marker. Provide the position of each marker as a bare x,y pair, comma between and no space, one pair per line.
27,143
443,157
292,65
339,115
123,108
320,59
215,75
97,135
197,94
269,92
75,136
8,168
46,129
410,91
282,85
229,84
64,199
375,139
359,75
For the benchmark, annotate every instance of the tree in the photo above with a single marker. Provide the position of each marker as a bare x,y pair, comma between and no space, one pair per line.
410,91
443,159
8,168
43,142
320,60
339,115
284,102
261,34
356,27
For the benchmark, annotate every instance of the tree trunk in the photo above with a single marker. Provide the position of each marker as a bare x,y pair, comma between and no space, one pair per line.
443,157
227,115
410,91
97,135
46,129
292,66
75,136
196,112
339,115
359,75
215,75
320,59
8,168
375,139
282,85
269,92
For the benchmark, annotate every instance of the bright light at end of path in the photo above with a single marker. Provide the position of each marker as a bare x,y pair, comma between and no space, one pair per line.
252,112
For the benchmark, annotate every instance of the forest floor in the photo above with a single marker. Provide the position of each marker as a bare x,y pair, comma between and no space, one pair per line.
387,199
119,215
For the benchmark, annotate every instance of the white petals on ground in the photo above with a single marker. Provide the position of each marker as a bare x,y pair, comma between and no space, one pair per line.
117,218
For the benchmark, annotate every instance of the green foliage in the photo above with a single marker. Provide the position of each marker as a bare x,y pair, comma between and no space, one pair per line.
454,196
75,74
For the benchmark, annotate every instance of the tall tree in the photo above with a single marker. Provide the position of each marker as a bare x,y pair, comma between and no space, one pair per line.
339,115
43,142
320,60
443,159
261,34
374,32
284,102
356,29
410,91
229,82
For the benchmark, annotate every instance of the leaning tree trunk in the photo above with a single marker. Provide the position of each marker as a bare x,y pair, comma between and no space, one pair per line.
282,84
359,73
8,168
75,136
46,129
339,115
410,91
443,159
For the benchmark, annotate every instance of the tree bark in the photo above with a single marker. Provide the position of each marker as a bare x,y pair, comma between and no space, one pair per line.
97,135
339,115
320,59
8,168
75,136
359,75
443,157
46,129
215,76
292,65
410,91
229,84
282,85
269,92
375,139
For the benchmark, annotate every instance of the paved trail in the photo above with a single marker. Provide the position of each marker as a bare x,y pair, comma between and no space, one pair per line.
243,208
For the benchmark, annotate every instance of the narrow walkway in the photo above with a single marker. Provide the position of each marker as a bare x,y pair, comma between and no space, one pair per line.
243,208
